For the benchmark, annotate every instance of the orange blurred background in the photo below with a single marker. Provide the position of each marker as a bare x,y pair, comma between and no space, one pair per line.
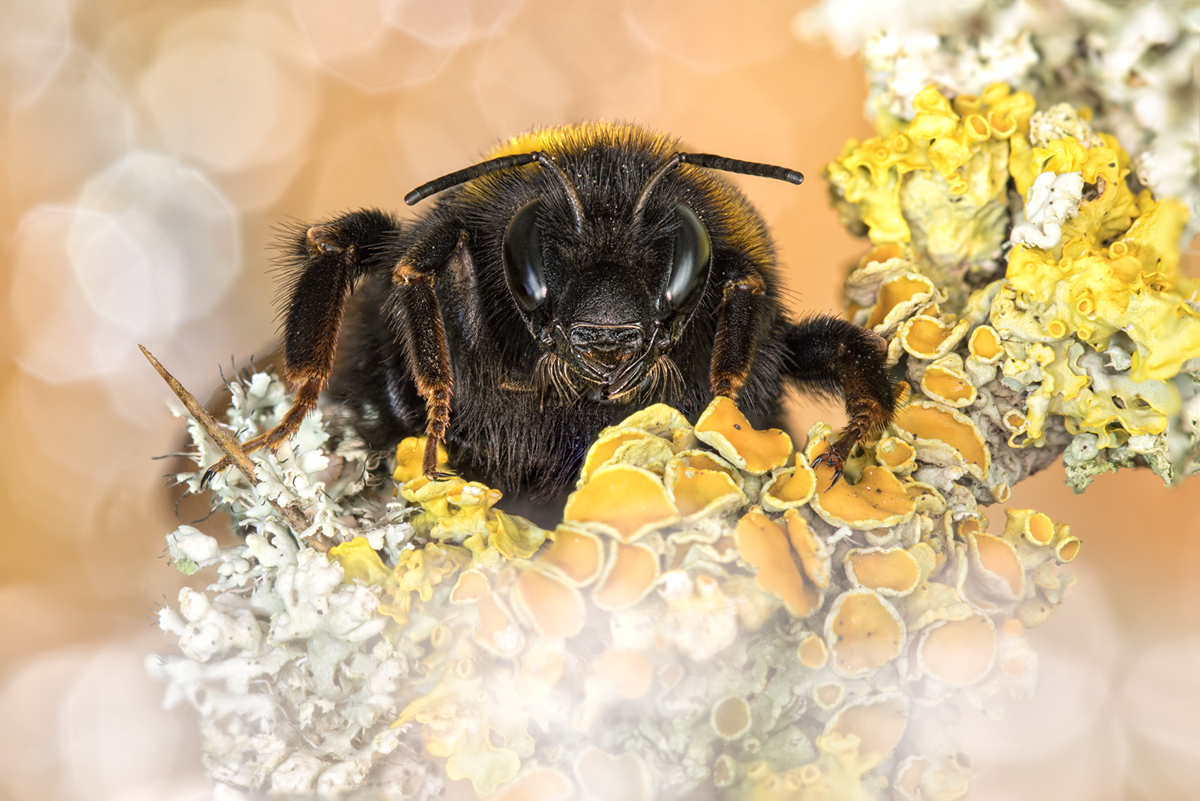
149,150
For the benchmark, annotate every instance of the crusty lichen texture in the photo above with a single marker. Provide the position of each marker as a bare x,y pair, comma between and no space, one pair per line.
713,614
710,614
1134,63
1020,278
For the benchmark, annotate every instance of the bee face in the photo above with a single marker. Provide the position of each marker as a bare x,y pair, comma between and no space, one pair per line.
607,296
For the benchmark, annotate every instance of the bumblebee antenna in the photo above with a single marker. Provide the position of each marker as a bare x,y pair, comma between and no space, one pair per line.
468,174
711,162
495,165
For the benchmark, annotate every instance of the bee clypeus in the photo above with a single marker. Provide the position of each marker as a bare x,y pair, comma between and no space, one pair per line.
577,275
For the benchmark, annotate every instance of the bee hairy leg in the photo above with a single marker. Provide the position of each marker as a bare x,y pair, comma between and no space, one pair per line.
323,263
831,356
415,314
739,329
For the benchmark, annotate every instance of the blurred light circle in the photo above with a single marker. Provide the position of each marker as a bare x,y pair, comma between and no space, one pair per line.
114,733
519,85
35,42
354,42
29,739
388,44
150,246
116,275
1164,675
60,336
183,227
91,719
79,124
712,38
225,92
445,23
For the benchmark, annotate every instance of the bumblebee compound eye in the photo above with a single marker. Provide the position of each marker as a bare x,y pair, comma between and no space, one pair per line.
523,258
689,262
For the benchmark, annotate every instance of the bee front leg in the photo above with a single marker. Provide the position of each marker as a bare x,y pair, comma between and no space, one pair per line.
740,327
417,319
833,356
325,260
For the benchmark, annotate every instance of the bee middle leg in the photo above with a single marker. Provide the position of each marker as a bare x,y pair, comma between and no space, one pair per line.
415,315
833,356
739,330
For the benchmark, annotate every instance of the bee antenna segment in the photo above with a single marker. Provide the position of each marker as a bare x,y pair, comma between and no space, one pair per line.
711,162
468,174
495,165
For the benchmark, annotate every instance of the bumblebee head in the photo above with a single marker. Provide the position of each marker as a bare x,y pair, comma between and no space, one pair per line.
609,292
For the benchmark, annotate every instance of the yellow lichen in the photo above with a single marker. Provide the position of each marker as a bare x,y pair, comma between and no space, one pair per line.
631,572
959,652
812,651
998,567
933,196
896,455
419,571
945,430
470,586
730,717
764,545
878,499
810,550
897,299
984,344
497,631
1092,292
553,607
410,455
864,632
360,562
930,337
724,427
877,721
622,499
891,571
790,487
947,382
577,553
620,445
698,492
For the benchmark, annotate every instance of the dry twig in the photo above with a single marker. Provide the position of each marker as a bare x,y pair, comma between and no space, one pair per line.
295,517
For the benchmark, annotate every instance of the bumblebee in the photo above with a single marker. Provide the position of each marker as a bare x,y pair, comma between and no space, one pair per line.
578,274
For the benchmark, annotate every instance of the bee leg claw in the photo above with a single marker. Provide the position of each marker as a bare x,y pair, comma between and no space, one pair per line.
834,459
212,471
836,475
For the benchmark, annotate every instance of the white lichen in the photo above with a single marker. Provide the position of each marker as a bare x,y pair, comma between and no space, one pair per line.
1050,202
1136,65
280,658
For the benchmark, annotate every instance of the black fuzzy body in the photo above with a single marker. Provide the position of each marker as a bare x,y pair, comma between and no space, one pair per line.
510,430
443,335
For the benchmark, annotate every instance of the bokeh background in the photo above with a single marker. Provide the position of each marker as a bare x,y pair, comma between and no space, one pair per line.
150,149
